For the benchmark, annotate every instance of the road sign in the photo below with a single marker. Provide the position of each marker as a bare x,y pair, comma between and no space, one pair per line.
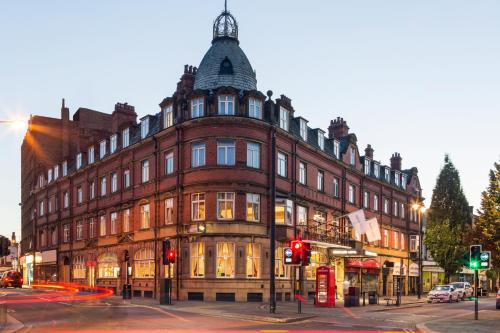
288,255
485,259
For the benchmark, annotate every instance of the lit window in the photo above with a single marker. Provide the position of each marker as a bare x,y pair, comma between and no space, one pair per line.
144,264
352,156
126,220
395,239
114,223
113,143
255,108
92,228
198,206
66,233
336,187
226,105
284,211
108,267
367,166
197,259
336,149
376,170
282,165
65,168
375,202
144,171
125,137
284,118
280,269
102,149
321,181
144,128
79,194
169,163
366,199
303,129
413,243
225,206
225,152
102,226
403,245
145,221
253,260
91,154
253,155
253,207
301,215
197,154
225,260
302,173
168,116
169,211
352,194
114,182
66,199
79,267
126,178
386,238
103,186
92,190
197,108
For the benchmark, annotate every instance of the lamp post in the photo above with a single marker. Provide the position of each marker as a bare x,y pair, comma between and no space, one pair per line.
419,209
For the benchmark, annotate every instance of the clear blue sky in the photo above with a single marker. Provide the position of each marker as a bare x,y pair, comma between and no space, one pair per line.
418,77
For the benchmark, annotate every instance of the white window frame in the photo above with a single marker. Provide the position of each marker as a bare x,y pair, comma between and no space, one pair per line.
226,152
198,151
320,185
282,164
336,187
395,208
126,178
386,206
395,239
226,105
79,230
387,175
65,168
253,207
113,143
102,226
352,156
49,175
168,116
102,149
197,107
301,215
253,155
56,172
145,216
114,182
144,127
113,223
92,190
321,140
386,238
396,178
66,233
79,194
169,211
253,264
254,108
303,129
79,162
103,186
352,194
402,210
302,173
169,163
288,218
197,260
125,137
375,202
366,199
228,263
126,220
198,207
144,171
91,155
225,203
336,148
284,118
367,166
92,227
376,170
403,181
66,199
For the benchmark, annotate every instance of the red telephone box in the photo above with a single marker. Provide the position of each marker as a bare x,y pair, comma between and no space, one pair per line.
325,286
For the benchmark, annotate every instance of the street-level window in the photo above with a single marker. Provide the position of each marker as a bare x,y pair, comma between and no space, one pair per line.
79,268
225,205
301,215
103,186
78,164
169,211
102,226
66,199
317,259
79,194
144,264
66,233
113,143
303,129
102,149
145,171
107,266
197,107
352,194
126,220
282,164
352,156
225,260
284,118
302,173
284,211
253,155
226,105
366,199
114,182
91,153
225,152
253,260
126,137
375,202
253,207
336,187
114,223
197,260
144,128
197,154
280,269
169,163
79,230
386,238
321,181
92,227
198,206
145,218
254,108
126,178
168,116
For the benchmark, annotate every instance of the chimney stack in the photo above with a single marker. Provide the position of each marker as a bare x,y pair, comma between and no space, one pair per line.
369,151
338,128
65,129
396,162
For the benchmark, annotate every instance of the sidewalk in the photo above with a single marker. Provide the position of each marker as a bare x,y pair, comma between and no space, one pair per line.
488,322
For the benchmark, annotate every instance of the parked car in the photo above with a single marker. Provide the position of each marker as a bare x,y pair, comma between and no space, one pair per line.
498,299
464,289
11,279
443,293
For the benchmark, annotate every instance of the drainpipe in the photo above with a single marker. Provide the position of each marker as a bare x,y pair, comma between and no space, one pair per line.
179,210
157,207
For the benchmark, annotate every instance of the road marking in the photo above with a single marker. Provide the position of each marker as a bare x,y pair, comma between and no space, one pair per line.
165,312
273,331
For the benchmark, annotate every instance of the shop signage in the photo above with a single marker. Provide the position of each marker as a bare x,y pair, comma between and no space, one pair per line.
397,269
413,271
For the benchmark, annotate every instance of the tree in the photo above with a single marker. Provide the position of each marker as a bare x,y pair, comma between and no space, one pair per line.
449,220
487,225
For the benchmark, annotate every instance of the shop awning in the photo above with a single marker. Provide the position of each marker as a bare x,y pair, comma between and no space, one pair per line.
371,264
357,263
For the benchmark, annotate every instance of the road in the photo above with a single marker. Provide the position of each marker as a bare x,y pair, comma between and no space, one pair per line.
111,315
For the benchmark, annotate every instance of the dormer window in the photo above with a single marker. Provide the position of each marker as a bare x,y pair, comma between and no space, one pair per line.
226,67
144,128
321,140
254,108
78,161
168,116
226,105
91,156
197,106
113,143
102,149
125,137
396,178
367,166
284,118
303,129
65,168
403,181
352,156
49,175
56,172
376,170
336,148
387,175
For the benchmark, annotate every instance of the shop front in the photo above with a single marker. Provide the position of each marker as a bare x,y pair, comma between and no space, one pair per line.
28,264
399,274
432,276
46,269
413,274
362,274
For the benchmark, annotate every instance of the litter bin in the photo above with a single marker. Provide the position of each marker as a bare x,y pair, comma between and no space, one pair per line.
372,297
127,291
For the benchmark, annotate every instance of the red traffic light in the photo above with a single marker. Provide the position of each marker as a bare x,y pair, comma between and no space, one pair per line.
297,245
171,256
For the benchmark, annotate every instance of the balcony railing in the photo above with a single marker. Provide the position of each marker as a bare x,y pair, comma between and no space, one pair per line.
334,235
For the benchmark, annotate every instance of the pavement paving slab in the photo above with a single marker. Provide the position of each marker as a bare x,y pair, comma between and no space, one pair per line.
489,322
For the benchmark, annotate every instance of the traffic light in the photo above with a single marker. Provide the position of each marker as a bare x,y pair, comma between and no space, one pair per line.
4,246
126,256
306,254
297,247
475,257
165,251
485,260
171,256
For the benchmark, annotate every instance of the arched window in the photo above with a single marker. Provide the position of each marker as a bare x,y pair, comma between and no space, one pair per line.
108,265
144,264
79,268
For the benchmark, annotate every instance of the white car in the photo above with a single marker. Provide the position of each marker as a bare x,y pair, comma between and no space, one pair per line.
463,288
443,293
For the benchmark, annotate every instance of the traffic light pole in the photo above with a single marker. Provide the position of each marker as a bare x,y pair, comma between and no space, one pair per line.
272,257
476,302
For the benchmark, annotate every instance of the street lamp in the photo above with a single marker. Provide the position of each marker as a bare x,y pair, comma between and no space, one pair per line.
419,209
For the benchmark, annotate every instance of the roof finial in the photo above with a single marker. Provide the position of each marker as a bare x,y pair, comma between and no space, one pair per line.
225,6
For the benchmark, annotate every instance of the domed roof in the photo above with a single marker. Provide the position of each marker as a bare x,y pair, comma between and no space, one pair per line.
225,63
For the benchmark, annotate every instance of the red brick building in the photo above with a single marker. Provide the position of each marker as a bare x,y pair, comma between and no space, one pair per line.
198,173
